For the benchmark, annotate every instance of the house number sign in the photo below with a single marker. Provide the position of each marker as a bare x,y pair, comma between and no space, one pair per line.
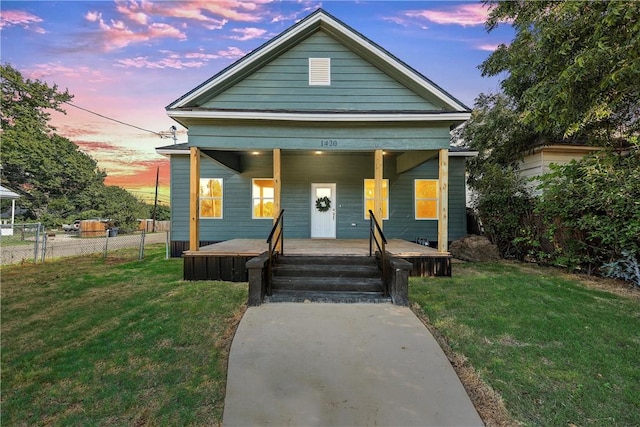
328,143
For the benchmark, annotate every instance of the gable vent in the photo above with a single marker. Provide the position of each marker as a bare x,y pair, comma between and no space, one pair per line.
319,71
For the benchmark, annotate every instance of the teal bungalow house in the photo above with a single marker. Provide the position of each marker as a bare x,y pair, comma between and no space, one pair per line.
327,125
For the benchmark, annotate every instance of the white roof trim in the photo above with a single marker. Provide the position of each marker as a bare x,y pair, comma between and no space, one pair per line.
321,117
320,17
170,152
463,153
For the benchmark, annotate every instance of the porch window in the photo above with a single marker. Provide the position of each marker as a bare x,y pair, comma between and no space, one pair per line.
262,198
211,198
426,197
369,197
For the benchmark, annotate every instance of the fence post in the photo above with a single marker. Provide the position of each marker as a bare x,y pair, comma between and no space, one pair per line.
35,249
106,243
142,244
44,246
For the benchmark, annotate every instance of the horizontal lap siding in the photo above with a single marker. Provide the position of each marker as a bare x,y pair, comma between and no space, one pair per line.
402,223
356,85
310,136
298,172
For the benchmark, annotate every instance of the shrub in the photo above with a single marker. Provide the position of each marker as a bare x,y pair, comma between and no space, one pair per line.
505,208
591,210
627,269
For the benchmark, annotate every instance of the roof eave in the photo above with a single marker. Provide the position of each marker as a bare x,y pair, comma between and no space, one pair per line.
184,116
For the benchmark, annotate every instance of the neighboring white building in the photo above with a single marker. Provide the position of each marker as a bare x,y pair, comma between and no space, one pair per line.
537,162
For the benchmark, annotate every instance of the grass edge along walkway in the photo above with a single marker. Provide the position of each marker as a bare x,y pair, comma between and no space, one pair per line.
556,351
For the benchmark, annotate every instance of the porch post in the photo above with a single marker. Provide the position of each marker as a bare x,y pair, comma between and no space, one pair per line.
443,197
378,199
276,190
194,199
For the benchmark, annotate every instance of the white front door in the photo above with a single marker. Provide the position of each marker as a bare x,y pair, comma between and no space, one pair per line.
323,211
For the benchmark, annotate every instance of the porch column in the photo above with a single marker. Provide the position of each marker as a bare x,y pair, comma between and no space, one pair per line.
443,197
377,194
277,189
194,199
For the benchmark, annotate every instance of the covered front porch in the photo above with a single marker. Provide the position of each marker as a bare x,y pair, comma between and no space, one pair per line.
227,260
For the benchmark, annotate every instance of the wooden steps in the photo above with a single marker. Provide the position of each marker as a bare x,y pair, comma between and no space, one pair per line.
327,279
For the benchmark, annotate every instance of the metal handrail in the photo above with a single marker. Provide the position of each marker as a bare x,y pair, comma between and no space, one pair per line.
278,227
381,246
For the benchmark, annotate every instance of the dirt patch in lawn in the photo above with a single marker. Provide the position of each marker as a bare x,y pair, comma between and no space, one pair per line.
618,287
486,400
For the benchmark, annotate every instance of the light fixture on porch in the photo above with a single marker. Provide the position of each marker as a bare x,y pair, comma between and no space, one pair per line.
318,152
255,153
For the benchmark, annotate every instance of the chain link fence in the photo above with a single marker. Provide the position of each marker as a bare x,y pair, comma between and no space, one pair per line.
31,243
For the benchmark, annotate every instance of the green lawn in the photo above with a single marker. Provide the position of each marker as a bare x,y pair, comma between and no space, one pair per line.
93,341
89,341
557,352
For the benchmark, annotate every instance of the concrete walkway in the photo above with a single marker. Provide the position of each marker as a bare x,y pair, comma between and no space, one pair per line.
340,365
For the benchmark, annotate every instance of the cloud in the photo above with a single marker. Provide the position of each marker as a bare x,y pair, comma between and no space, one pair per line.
52,69
172,61
117,35
231,53
249,33
466,15
176,61
489,47
26,20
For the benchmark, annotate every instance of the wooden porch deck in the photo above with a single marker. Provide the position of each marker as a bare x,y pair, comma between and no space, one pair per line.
315,247
226,260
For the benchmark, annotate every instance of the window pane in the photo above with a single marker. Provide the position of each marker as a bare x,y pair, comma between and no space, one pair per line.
368,205
426,189
263,208
426,209
369,188
217,208
206,208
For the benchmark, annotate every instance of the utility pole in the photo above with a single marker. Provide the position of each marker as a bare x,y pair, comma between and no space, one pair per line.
155,203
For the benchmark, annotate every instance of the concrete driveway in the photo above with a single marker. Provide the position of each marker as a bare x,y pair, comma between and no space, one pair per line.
340,365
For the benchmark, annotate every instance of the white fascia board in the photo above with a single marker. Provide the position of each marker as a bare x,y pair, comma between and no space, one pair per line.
170,152
321,117
463,153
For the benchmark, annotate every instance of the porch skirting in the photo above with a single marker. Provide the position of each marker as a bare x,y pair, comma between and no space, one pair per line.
227,260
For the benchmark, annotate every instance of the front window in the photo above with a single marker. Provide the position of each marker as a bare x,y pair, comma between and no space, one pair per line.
210,197
426,197
369,197
262,196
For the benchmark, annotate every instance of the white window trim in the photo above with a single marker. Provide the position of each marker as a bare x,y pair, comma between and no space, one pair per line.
319,71
415,200
200,198
385,200
253,216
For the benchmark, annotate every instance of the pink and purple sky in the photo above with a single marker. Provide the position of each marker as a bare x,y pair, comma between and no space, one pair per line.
127,60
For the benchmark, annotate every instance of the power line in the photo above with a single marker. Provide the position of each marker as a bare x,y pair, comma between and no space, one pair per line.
115,120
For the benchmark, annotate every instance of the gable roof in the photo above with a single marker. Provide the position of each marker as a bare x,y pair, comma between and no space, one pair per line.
319,20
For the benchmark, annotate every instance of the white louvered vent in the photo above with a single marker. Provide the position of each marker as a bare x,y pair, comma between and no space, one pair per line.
319,71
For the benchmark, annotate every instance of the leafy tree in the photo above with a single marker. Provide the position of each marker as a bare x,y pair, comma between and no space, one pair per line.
574,66
121,208
58,181
496,132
